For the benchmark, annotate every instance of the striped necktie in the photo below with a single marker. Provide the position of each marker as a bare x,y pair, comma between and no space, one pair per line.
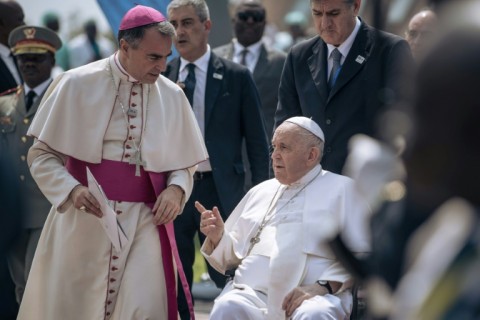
336,57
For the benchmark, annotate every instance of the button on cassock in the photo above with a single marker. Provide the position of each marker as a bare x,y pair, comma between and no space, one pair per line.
26,120
24,139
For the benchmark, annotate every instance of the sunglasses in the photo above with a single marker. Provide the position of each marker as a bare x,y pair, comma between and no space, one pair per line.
255,15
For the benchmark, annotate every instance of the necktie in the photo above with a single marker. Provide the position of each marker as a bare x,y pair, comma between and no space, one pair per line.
190,82
30,96
243,59
336,56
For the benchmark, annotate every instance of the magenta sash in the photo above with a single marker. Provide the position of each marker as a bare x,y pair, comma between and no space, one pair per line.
112,174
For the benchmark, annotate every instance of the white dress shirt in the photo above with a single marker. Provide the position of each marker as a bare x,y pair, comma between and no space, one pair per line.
198,105
252,56
344,48
38,89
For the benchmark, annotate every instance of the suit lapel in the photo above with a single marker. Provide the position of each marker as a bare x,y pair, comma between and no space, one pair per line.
356,58
174,69
230,51
262,64
215,74
317,64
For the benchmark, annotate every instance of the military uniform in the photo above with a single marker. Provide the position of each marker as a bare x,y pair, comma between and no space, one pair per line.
14,123
15,119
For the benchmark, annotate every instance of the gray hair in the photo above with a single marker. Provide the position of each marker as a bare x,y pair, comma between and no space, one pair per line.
135,35
349,2
309,139
306,138
200,7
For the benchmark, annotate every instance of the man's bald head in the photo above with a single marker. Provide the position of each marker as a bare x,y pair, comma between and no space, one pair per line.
421,29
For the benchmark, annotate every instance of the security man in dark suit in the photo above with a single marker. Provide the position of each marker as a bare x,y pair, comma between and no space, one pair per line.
247,48
266,64
34,48
344,78
227,106
11,16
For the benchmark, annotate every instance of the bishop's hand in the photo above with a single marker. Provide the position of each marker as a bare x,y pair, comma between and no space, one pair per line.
211,223
84,201
168,205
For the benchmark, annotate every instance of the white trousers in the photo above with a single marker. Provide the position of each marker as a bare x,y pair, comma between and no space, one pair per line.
248,304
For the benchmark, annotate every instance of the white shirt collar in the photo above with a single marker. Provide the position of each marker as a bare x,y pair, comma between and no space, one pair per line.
38,89
307,177
201,63
122,69
251,58
345,47
254,49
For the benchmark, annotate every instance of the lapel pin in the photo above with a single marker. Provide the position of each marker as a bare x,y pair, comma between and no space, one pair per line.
217,76
360,59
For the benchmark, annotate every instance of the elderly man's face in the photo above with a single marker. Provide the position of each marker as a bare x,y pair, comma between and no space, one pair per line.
334,19
149,59
291,157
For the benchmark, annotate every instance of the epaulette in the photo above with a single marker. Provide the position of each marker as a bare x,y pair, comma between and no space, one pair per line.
17,91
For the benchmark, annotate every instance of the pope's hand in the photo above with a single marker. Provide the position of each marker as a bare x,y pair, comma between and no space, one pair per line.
299,294
211,223
168,204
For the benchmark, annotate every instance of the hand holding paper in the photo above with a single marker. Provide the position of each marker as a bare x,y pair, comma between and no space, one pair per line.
109,219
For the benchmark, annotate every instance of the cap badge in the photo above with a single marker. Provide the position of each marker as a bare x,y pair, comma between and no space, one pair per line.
29,33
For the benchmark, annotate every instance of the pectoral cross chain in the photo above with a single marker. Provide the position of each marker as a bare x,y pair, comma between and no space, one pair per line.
137,161
255,240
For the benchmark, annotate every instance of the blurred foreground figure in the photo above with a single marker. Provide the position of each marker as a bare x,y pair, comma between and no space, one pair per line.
443,168
426,242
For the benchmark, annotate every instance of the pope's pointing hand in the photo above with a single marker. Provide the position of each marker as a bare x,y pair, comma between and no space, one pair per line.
211,222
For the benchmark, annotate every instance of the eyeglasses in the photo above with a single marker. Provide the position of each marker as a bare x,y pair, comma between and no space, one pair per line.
255,15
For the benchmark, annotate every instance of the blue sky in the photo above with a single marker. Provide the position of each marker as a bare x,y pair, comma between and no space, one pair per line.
73,13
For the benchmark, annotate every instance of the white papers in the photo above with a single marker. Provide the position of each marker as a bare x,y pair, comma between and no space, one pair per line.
109,219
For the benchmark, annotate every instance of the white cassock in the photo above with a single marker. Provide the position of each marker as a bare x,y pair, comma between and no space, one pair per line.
292,250
76,273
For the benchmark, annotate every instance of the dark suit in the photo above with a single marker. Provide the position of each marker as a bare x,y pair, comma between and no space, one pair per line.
371,79
266,75
7,81
232,113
